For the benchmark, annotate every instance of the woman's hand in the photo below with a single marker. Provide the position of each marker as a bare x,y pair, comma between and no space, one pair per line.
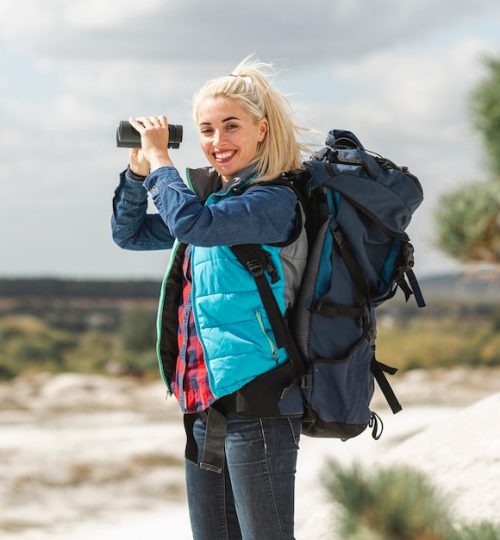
153,153
137,162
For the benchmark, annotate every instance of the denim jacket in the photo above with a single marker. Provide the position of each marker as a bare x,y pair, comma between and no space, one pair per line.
262,216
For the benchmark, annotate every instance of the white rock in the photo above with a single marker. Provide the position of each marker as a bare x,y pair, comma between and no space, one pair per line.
461,454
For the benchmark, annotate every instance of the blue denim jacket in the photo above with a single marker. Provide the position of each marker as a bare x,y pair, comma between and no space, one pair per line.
263,215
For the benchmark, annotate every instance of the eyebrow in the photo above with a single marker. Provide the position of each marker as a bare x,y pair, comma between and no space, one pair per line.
223,120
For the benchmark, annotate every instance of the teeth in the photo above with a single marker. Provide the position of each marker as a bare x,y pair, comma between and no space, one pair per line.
224,155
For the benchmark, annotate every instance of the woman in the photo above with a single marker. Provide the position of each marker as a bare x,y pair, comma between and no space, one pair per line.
215,339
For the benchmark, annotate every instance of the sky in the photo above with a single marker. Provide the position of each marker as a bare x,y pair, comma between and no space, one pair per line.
398,74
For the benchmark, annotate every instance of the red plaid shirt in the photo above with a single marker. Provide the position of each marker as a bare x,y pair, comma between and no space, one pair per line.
190,381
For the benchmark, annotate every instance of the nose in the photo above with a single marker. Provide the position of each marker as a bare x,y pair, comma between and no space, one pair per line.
218,138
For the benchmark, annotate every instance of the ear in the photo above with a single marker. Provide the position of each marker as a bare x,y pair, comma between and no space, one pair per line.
262,130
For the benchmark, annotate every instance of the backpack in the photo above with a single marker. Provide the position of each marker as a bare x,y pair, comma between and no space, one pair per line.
357,206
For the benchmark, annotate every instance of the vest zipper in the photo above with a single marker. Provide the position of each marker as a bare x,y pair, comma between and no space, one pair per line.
272,345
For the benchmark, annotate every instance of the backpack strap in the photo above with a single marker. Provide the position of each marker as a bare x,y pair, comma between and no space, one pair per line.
213,455
379,370
406,269
362,310
256,260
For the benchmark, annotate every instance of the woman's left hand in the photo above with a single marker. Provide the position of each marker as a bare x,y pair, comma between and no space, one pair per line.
154,139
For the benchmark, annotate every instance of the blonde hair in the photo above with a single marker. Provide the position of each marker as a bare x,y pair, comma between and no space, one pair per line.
280,150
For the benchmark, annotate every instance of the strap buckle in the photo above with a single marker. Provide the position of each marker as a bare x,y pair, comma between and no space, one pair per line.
255,267
306,380
408,256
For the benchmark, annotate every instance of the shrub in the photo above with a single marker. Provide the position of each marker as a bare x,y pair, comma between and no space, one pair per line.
390,504
395,504
138,330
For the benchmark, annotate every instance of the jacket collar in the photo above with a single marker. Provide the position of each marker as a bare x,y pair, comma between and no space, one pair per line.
205,181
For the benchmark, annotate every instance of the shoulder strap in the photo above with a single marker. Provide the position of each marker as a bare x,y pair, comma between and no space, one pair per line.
256,260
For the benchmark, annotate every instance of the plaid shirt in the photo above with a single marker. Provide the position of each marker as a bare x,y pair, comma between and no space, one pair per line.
190,381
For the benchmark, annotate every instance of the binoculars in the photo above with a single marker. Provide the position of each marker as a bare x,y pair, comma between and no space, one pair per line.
129,137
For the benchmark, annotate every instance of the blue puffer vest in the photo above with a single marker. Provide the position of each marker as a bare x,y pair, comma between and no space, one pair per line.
230,320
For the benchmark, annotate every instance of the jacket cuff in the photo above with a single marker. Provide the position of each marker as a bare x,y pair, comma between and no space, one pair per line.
130,175
157,180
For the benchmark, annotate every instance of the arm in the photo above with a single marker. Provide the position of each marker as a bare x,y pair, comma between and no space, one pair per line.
132,227
261,215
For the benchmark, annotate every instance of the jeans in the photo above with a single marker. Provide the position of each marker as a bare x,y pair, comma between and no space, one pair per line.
253,498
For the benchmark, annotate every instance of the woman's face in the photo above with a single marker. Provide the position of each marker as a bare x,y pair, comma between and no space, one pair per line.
229,136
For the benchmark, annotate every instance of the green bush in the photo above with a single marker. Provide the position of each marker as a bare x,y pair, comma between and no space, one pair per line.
28,344
445,342
137,364
481,531
93,354
138,330
395,504
387,505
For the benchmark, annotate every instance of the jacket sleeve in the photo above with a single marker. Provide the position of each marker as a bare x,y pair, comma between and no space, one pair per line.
261,215
132,227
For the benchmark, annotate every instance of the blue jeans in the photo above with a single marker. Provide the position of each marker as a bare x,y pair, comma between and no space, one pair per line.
253,498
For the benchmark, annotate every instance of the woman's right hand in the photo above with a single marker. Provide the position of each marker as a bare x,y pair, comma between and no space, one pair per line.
153,153
137,162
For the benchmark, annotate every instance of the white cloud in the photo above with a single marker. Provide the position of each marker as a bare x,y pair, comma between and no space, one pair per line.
191,31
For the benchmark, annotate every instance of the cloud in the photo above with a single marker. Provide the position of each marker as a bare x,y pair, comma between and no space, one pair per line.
194,32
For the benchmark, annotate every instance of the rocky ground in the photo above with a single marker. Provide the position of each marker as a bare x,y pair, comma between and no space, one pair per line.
89,457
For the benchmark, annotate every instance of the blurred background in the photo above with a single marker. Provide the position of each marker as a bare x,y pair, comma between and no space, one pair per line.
418,82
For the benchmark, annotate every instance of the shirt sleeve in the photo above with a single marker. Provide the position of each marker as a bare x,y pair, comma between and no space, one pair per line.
261,215
132,227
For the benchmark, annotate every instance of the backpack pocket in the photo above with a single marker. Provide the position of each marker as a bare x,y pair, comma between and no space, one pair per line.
338,394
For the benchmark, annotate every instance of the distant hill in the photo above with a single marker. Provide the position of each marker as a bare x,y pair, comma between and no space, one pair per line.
77,304
479,284
86,304
71,288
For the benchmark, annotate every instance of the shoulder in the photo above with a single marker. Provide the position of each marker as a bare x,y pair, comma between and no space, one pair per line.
271,189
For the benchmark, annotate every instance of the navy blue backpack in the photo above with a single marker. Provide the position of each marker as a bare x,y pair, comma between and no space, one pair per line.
357,206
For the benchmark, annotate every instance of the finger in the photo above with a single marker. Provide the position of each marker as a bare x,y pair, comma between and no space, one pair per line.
154,121
145,121
137,124
163,121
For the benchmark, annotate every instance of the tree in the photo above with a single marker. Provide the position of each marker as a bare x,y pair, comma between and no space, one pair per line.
469,222
468,219
485,105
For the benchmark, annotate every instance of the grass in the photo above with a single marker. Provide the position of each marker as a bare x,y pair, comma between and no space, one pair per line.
427,343
443,339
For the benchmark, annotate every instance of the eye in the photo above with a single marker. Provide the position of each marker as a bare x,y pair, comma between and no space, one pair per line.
231,127
206,131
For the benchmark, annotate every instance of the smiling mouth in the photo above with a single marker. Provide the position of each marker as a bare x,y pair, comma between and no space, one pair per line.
224,157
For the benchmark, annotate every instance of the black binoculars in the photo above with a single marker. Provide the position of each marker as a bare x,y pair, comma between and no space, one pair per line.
128,137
